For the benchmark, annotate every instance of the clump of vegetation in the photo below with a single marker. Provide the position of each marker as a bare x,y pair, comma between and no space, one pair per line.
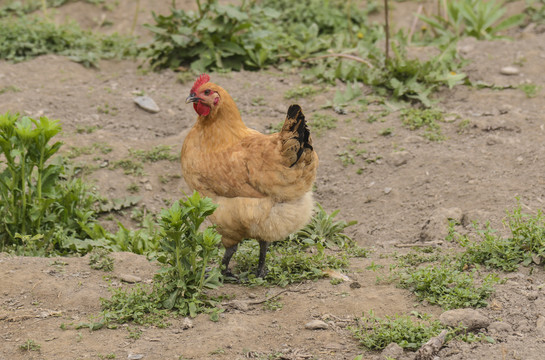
447,286
530,90
525,246
259,35
99,259
408,332
43,207
25,38
429,118
180,285
157,153
300,92
319,123
30,345
303,255
475,18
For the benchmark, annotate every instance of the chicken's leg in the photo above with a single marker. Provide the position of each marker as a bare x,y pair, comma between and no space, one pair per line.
227,258
261,269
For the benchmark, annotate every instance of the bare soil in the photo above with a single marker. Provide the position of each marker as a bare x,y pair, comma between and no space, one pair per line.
493,153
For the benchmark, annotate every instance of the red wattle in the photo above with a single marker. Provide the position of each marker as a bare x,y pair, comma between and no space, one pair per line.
201,109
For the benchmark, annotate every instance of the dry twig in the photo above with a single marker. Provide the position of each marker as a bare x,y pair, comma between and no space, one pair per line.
432,347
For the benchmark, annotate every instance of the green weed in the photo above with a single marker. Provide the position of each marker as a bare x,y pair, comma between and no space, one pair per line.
43,206
415,119
25,38
376,333
30,345
99,259
129,166
447,286
530,90
325,231
535,11
319,123
475,18
186,253
300,92
526,245
157,153
303,255
9,88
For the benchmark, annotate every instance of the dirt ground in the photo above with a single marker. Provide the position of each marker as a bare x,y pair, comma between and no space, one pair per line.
493,153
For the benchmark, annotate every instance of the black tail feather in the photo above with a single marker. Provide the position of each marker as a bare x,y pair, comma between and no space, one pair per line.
300,129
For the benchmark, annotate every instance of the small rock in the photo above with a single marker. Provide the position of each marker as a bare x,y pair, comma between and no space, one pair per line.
148,187
500,327
509,70
392,351
316,325
105,163
187,323
472,319
131,279
135,356
387,190
436,227
540,325
239,305
398,158
355,285
146,103
504,109
532,295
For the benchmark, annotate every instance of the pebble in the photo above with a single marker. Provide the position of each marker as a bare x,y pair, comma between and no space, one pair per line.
392,351
387,190
148,187
532,295
131,279
472,319
540,325
316,325
499,327
187,323
135,356
146,103
509,70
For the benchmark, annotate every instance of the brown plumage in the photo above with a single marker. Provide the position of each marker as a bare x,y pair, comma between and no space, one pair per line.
261,183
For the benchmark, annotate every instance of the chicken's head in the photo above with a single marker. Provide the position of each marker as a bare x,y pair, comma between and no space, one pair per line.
203,95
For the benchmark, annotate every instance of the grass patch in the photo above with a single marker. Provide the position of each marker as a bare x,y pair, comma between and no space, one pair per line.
179,287
525,246
26,38
319,123
99,259
429,119
30,345
530,90
448,287
157,153
410,333
303,256
300,92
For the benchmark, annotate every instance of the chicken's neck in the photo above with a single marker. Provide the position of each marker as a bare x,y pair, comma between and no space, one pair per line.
222,129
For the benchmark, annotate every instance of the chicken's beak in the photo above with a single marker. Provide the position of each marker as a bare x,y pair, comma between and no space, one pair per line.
192,98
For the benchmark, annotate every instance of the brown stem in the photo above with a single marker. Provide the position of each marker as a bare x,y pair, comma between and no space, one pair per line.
387,29
346,56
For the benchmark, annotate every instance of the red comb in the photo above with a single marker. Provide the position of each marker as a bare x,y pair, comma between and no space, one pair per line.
202,79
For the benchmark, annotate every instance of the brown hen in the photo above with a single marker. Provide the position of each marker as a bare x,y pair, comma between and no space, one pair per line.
261,183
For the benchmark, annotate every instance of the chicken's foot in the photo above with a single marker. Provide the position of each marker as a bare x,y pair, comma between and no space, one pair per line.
229,252
261,268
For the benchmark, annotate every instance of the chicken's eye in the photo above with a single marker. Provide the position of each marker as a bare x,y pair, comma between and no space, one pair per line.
207,92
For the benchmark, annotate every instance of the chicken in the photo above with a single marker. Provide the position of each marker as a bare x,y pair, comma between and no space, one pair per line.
261,183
